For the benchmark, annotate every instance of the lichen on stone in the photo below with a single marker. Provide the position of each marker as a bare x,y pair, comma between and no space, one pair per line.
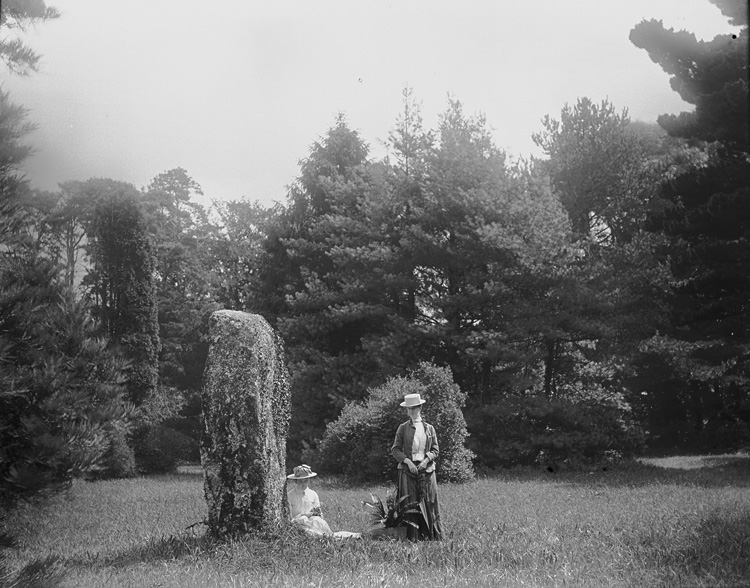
246,420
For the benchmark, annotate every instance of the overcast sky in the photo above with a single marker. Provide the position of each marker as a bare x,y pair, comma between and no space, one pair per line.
236,91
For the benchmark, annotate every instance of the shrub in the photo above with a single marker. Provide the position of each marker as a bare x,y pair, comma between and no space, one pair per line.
159,449
358,443
119,459
530,429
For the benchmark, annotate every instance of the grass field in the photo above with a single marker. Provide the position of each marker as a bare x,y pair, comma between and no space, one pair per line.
679,525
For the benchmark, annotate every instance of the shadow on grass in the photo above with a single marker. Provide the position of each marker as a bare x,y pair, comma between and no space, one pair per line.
196,546
715,473
154,550
718,549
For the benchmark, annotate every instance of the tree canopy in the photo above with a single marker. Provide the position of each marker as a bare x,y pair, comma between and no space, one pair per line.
702,358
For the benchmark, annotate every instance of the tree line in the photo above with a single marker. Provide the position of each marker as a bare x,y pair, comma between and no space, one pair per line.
587,304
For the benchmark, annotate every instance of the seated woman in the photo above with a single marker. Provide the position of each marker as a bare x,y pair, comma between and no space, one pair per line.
304,505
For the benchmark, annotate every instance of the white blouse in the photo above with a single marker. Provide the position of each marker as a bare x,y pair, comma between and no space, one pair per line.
302,502
420,441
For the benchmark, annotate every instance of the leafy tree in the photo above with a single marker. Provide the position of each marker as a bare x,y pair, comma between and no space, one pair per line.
67,216
181,233
409,142
43,441
701,362
243,276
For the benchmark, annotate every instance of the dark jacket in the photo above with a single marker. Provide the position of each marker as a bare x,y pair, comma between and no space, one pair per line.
401,448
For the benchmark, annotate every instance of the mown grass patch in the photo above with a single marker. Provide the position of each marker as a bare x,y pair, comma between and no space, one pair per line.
642,526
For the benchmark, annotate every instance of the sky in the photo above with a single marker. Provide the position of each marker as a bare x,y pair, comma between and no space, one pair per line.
237,91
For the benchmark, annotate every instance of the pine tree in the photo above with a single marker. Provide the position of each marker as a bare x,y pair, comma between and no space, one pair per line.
701,363
61,385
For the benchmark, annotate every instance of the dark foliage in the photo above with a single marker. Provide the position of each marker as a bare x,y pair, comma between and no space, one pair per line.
160,449
122,282
358,443
552,431
61,385
701,358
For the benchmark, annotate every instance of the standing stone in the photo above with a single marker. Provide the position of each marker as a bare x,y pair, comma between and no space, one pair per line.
245,423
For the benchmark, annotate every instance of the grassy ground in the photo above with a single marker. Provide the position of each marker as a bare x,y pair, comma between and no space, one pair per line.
641,526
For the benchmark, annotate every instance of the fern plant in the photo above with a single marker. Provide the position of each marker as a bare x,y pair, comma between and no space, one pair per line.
391,513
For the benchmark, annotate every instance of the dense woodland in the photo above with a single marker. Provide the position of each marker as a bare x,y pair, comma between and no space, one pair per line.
591,304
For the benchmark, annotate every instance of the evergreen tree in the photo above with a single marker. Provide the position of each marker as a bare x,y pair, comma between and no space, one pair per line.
122,282
711,75
597,167
319,320
390,265
63,396
61,386
612,290
700,364
19,15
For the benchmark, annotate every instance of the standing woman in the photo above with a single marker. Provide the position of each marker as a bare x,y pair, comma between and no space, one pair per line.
415,448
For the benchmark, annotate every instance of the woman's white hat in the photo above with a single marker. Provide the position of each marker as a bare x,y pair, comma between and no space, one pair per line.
301,472
412,400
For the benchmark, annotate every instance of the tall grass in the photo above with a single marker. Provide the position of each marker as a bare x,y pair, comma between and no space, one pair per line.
642,526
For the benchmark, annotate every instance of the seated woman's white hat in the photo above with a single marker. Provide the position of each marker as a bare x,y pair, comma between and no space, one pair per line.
301,472
412,400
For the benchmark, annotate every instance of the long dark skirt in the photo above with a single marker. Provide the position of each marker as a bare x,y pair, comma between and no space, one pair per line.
422,492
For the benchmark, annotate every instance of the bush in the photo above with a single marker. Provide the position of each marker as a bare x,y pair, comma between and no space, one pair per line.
358,443
119,459
533,429
160,449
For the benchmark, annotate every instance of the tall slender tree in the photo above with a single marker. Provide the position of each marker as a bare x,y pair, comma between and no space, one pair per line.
180,232
122,282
